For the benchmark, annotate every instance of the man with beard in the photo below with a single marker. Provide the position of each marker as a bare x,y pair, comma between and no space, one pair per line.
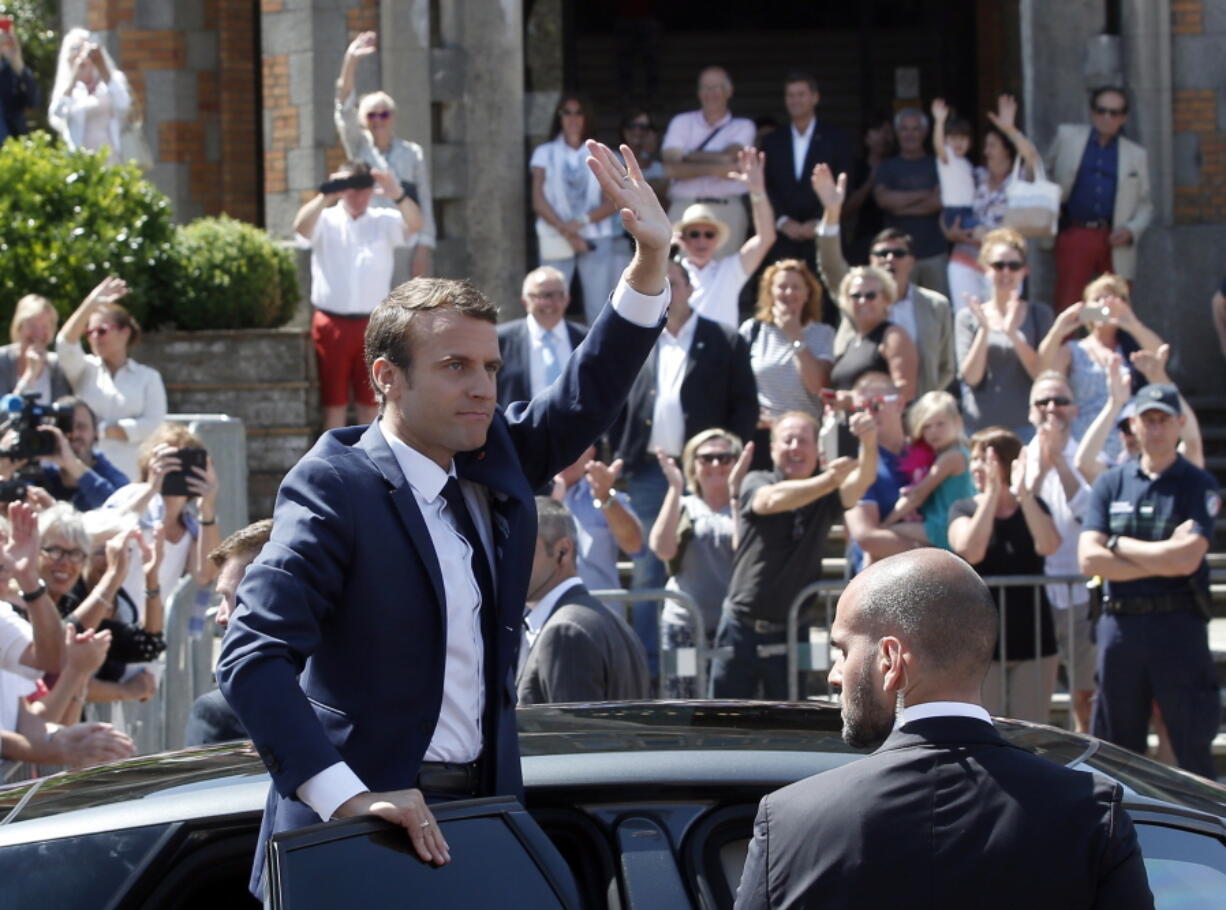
945,810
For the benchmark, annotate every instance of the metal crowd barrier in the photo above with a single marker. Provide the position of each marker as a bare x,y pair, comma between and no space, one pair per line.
686,663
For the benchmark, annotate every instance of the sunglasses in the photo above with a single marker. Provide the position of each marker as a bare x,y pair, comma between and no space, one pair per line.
97,331
1013,265
379,115
571,111
863,295
57,553
715,458
1110,111
706,235
892,253
1058,400
639,125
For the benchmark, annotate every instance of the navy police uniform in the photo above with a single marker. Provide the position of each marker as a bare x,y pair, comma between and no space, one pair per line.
1153,642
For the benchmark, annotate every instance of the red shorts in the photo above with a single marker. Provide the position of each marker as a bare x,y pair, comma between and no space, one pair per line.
340,353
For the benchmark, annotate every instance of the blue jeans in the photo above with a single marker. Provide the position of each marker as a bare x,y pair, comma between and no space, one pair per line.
597,274
647,487
738,676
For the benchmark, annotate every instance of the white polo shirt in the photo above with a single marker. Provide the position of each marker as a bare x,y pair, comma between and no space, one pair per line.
717,286
352,258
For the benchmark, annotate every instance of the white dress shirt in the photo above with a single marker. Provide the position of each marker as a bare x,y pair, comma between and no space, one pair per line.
667,418
133,398
902,314
1066,515
800,146
928,709
457,734
717,287
536,357
352,258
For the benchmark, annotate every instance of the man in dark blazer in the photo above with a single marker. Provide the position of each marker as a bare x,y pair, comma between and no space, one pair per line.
791,154
946,813
372,655
577,648
534,349
698,377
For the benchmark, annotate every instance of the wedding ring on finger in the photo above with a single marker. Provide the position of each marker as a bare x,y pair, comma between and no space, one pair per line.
424,825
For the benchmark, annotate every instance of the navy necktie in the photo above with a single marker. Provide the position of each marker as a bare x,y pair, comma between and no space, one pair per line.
454,497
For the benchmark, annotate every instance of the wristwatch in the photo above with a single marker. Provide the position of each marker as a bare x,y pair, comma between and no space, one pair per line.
609,500
797,346
1112,542
31,596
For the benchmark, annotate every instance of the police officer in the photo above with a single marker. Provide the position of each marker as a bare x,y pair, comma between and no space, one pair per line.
1146,532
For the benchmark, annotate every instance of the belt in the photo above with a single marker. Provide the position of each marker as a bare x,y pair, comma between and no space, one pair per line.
716,200
762,627
1101,224
450,777
1158,603
350,316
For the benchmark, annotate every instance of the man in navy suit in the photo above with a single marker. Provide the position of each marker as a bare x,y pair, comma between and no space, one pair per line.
535,349
372,655
946,813
791,154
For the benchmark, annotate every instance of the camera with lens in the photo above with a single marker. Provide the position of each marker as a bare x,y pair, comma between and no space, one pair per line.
27,415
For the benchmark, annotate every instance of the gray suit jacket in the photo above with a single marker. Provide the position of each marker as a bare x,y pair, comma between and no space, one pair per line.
9,373
584,652
934,323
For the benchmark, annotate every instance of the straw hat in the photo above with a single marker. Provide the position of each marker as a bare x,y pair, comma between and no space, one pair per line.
698,213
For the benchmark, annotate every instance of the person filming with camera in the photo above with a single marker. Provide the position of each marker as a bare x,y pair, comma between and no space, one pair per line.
352,256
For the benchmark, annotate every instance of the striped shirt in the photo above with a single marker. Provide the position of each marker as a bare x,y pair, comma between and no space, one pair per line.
780,387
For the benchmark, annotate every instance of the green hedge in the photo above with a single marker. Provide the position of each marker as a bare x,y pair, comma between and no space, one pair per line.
231,275
68,219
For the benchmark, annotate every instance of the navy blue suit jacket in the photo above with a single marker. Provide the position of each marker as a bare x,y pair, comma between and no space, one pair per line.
515,346
336,651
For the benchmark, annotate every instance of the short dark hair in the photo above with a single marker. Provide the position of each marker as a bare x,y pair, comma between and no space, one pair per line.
959,126
801,76
245,543
1097,93
355,168
1004,442
893,233
945,612
72,401
389,332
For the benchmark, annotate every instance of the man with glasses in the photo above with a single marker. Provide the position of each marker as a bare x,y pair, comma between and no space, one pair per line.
1104,185
1051,457
700,148
535,349
716,279
922,313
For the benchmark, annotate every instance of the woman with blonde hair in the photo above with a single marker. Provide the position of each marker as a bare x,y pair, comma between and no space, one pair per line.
695,536
1112,328
367,129
996,340
90,100
790,349
866,294
26,365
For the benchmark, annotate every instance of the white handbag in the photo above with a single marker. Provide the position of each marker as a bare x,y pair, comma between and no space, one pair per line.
1032,207
552,243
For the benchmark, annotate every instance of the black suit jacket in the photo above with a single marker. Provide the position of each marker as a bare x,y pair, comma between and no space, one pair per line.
718,390
515,348
795,198
946,814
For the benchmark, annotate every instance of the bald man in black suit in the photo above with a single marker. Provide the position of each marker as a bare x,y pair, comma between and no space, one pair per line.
945,813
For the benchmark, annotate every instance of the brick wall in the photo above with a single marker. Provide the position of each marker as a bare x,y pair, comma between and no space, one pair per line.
195,81
1197,112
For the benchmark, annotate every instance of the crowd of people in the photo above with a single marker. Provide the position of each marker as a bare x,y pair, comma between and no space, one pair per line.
849,339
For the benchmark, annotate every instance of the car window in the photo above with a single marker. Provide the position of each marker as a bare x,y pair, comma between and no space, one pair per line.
368,863
1186,869
1148,778
68,873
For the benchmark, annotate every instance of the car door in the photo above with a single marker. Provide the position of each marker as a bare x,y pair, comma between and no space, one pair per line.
499,858
1185,857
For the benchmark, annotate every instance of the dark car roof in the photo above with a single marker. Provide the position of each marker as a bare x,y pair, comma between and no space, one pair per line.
609,745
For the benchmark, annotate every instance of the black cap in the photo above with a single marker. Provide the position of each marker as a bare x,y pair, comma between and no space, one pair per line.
1157,396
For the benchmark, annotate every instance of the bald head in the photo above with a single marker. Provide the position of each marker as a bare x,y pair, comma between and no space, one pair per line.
935,604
